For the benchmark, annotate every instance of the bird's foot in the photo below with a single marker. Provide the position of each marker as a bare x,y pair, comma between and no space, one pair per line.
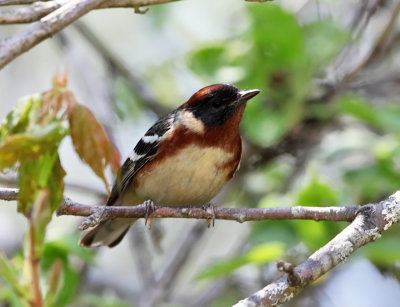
210,209
149,210
99,216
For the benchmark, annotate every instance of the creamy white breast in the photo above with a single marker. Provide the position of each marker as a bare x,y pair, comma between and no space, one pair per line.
190,178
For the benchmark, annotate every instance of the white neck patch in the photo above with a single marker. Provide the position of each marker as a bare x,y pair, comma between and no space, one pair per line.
187,118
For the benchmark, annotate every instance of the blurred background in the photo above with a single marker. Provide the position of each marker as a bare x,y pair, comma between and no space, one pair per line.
323,132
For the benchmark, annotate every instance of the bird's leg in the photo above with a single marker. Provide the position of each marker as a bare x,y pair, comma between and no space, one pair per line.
210,209
149,210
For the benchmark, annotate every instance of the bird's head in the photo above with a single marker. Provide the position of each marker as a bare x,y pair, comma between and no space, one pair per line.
217,103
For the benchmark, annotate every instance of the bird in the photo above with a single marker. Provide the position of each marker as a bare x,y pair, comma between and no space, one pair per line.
184,159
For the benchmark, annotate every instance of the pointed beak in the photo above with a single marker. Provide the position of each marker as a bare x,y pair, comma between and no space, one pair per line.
246,95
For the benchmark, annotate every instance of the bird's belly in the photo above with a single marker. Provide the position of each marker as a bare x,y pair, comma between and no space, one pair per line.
191,177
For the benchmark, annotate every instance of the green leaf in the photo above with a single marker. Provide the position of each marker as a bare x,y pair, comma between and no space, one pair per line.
324,39
384,117
8,295
206,60
259,254
356,106
270,231
384,252
222,268
36,175
30,145
10,275
265,253
269,32
63,250
263,126
278,64
317,193
56,184
41,189
374,181
92,143
53,286
315,234
24,114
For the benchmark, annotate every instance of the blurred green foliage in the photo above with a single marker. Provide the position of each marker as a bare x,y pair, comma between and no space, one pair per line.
44,273
282,57
259,254
276,55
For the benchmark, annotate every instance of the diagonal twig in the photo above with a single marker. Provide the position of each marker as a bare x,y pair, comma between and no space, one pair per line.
371,221
378,47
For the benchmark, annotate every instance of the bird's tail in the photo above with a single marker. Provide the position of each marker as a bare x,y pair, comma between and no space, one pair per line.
109,233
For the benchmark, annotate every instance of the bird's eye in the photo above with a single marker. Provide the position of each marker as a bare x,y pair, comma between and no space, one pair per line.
216,103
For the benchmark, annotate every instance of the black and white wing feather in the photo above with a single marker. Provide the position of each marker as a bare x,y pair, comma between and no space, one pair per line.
145,150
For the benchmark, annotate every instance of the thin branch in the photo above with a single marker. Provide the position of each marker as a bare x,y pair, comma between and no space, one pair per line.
28,14
8,194
378,47
141,254
235,214
363,16
371,221
166,276
96,192
39,9
64,13
133,3
108,4
14,46
215,289
69,207
16,2
359,24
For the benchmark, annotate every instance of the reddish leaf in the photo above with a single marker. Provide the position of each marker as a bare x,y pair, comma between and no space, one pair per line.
92,143
60,80
57,102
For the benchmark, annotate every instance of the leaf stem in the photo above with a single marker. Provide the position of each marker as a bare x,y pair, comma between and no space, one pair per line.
33,263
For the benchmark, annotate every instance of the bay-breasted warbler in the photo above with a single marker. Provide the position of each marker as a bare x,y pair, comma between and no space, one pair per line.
184,159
